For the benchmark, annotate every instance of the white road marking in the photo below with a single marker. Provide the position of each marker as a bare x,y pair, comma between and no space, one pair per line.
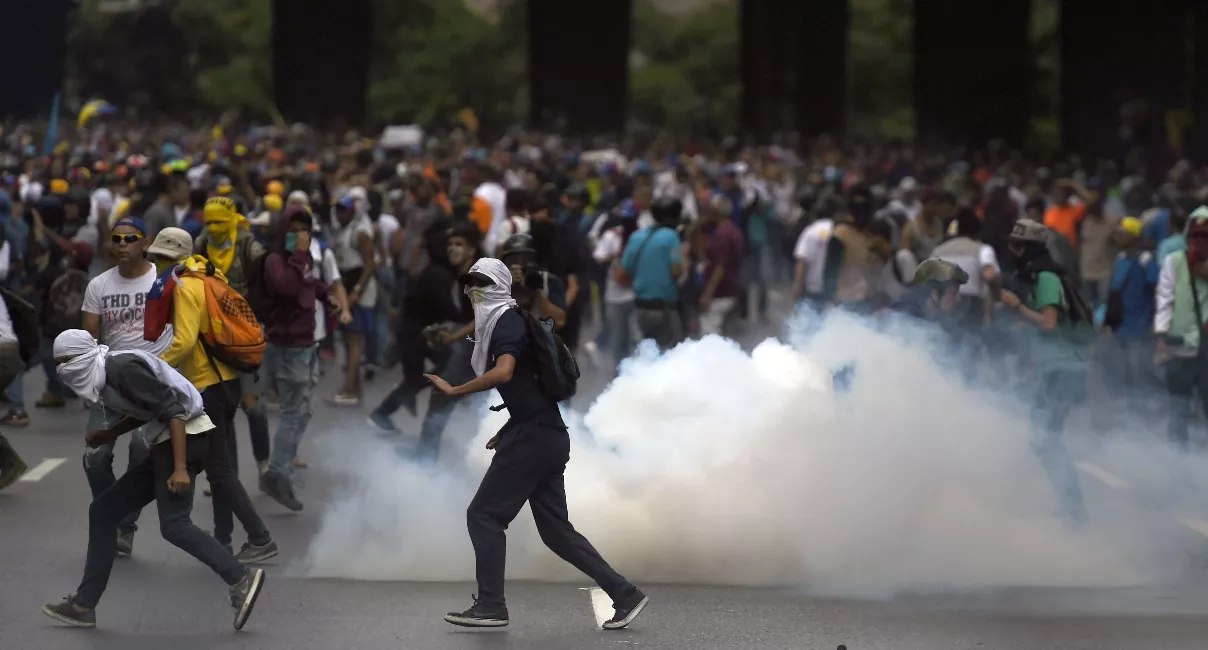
1103,475
601,604
1198,525
39,471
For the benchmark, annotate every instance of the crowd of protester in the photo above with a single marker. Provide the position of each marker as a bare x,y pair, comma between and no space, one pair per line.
336,240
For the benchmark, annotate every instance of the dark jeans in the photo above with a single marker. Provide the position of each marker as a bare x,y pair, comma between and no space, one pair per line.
221,403
1185,378
98,461
452,365
257,426
140,485
10,367
529,466
1057,393
664,325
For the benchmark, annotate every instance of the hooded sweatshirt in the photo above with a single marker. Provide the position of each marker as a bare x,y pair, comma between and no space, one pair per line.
293,289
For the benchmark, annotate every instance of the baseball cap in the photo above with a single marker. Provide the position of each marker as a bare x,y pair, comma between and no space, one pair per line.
132,222
172,243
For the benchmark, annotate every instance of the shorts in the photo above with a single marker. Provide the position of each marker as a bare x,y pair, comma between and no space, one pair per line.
362,321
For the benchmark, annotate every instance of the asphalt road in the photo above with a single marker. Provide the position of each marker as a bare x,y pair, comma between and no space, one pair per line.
162,598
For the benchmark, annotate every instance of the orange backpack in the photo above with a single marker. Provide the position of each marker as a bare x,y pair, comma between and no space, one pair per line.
235,337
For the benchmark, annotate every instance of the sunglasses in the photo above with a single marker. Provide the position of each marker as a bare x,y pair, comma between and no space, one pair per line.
128,238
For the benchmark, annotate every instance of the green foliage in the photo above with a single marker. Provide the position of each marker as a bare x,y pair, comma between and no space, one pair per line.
435,57
881,47
686,72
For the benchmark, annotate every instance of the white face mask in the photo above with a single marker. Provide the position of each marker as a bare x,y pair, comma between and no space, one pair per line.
476,296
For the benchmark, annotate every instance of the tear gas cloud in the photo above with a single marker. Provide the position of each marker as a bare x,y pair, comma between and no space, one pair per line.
711,465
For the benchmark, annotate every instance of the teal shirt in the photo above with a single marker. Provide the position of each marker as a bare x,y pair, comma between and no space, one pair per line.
1053,351
651,269
1172,244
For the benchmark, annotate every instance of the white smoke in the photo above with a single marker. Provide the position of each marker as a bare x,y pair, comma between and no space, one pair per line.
710,465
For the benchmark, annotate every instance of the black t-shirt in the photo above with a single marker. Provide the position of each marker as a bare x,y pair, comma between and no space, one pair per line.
522,395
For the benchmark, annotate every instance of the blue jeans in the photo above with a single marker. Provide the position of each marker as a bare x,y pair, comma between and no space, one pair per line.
377,341
1057,393
54,385
16,392
619,323
98,462
295,372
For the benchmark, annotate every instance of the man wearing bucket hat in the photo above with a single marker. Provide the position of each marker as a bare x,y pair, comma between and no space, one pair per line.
1179,318
1060,326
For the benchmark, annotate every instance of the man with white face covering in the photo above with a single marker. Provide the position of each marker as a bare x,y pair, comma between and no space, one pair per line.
531,452
136,388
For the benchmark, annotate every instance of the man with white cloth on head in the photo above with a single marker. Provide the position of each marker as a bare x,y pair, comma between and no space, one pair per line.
531,452
135,388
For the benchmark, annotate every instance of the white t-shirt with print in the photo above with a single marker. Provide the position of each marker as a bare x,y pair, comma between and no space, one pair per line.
609,248
121,304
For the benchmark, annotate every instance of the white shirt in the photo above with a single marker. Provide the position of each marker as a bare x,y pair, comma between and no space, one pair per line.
387,225
348,255
609,249
495,196
974,266
1164,298
511,226
811,247
121,304
8,333
325,270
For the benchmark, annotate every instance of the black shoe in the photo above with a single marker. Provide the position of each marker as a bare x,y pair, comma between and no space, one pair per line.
281,489
253,554
244,595
625,612
476,616
69,613
12,469
125,542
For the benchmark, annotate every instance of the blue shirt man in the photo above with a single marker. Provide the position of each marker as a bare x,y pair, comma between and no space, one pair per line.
1135,275
648,258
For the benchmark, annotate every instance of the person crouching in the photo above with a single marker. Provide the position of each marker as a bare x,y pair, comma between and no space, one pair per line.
135,388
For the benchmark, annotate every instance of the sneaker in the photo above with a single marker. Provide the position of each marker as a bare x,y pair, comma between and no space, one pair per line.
244,595
593,353
69,613
50,401
299,463
125,542
625,612
15,418
262,466
281,490
12,470
340,399
476,616
369,370
382,422
254,554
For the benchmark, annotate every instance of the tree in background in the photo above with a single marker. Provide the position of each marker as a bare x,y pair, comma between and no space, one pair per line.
431,58
685,71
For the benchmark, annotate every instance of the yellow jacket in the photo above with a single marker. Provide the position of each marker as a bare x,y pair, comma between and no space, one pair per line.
189,321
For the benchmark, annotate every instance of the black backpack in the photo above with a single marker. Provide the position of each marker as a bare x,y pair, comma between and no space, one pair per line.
258,295
557,370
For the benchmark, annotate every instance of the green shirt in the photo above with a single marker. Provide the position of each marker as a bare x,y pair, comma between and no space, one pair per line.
1052,351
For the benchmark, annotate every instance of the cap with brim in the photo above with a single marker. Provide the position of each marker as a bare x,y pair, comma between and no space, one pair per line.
475,279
